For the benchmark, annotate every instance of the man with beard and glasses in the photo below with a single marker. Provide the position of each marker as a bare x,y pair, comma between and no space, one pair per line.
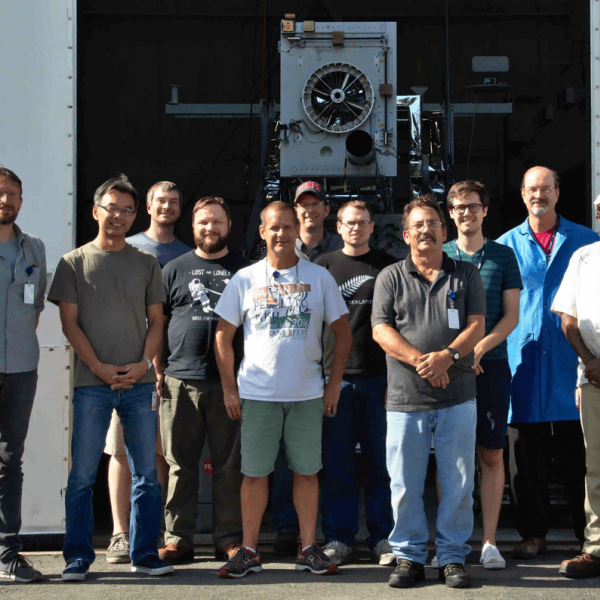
22,287
428,316
163,203
192,409
544,423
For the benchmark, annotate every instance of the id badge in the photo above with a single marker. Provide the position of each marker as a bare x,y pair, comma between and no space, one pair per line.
272,296
154,400
453,320
29,293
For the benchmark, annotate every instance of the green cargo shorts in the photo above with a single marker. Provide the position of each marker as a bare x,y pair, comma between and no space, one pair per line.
265,423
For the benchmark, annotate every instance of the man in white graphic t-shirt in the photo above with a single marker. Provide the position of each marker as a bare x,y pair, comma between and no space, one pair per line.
282,302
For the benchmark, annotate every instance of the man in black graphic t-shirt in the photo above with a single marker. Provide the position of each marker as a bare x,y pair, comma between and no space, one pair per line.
361,416
192,408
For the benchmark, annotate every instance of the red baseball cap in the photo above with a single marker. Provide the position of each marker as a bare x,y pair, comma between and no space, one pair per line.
311,187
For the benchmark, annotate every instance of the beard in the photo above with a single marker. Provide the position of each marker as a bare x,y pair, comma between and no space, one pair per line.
210,247
539,209
9,219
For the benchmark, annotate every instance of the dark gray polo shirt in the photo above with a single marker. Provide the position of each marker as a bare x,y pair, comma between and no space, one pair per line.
331,242
418,310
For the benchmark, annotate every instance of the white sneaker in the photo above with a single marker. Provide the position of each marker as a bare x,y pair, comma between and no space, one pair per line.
491,558
384,554
434,562
338,553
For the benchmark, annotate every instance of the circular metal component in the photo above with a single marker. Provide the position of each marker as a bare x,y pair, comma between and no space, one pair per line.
338,97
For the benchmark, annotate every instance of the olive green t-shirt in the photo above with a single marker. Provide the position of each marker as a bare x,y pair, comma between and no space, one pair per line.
112,291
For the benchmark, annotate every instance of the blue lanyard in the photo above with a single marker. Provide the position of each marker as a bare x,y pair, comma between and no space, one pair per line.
480,258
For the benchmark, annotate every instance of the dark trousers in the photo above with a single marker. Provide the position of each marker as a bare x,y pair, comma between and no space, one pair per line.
532,448
17,391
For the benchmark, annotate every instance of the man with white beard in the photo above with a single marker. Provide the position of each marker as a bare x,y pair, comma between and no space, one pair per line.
544,422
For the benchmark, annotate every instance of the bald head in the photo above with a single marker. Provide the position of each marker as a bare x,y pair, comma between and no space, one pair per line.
542,171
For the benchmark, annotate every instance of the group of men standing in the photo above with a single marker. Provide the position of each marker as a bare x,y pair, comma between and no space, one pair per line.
331,348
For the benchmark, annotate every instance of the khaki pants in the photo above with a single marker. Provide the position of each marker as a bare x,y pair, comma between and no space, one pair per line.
192,412
590,422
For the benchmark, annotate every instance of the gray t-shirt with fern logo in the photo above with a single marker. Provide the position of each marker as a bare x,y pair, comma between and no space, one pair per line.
355,276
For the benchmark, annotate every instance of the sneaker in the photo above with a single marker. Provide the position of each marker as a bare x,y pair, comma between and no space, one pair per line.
176,553
242,563
19,569
406,574
338,552
580,567
491,557
434,562
383,554
286,544
118,549
152,564
75,571
313,559
455,576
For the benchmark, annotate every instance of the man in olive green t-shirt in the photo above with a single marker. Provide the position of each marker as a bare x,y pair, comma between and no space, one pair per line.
110,296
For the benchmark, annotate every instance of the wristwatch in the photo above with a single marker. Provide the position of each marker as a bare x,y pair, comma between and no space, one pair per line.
149,363
453,353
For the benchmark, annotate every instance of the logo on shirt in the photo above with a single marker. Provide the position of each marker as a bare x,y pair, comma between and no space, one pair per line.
200,292
350,287
282,310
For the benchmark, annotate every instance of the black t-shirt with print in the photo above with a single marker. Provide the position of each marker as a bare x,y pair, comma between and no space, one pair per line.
193,286
355,276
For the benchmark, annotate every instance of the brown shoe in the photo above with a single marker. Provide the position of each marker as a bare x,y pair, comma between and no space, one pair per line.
227,551
529,548
580,567
176,553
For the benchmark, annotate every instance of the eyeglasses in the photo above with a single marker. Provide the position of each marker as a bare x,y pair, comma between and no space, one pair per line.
542,190
421,225
306,206
461,208
353,224
10,196
112,209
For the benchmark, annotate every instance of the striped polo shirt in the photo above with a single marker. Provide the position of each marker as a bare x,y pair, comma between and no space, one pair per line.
499,271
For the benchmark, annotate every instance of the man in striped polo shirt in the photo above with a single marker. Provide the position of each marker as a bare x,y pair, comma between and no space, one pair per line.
468,203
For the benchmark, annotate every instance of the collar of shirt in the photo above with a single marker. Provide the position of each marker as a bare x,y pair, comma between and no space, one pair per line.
448,264
323,243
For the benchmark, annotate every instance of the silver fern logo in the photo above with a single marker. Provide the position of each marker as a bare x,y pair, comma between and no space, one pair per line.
350,287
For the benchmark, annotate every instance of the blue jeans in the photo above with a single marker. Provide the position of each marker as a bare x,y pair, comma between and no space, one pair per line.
361,417
93,406
285,519
408,447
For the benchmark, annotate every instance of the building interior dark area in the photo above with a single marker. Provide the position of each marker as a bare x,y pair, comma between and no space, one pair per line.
131,53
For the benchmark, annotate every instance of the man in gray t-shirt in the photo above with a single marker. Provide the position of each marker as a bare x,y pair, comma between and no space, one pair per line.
428,314
110,297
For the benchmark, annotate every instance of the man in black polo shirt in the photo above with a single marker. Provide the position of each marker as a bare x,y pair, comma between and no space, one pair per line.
428,315
361,410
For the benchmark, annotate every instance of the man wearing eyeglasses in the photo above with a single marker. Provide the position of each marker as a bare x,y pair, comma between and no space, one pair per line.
428,316
110,296
22,287
544,423
468,203
361,411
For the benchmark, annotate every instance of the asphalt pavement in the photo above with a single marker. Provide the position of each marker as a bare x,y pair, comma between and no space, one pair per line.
522,580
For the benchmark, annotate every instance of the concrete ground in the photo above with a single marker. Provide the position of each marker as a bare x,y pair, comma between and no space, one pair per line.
521,579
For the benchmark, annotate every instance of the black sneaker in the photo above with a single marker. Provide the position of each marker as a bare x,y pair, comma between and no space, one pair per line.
455,576
313,559
240,564
406,574
118,549
19,569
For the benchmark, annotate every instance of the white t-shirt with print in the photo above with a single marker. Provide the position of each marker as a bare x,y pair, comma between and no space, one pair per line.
578,296
283,328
